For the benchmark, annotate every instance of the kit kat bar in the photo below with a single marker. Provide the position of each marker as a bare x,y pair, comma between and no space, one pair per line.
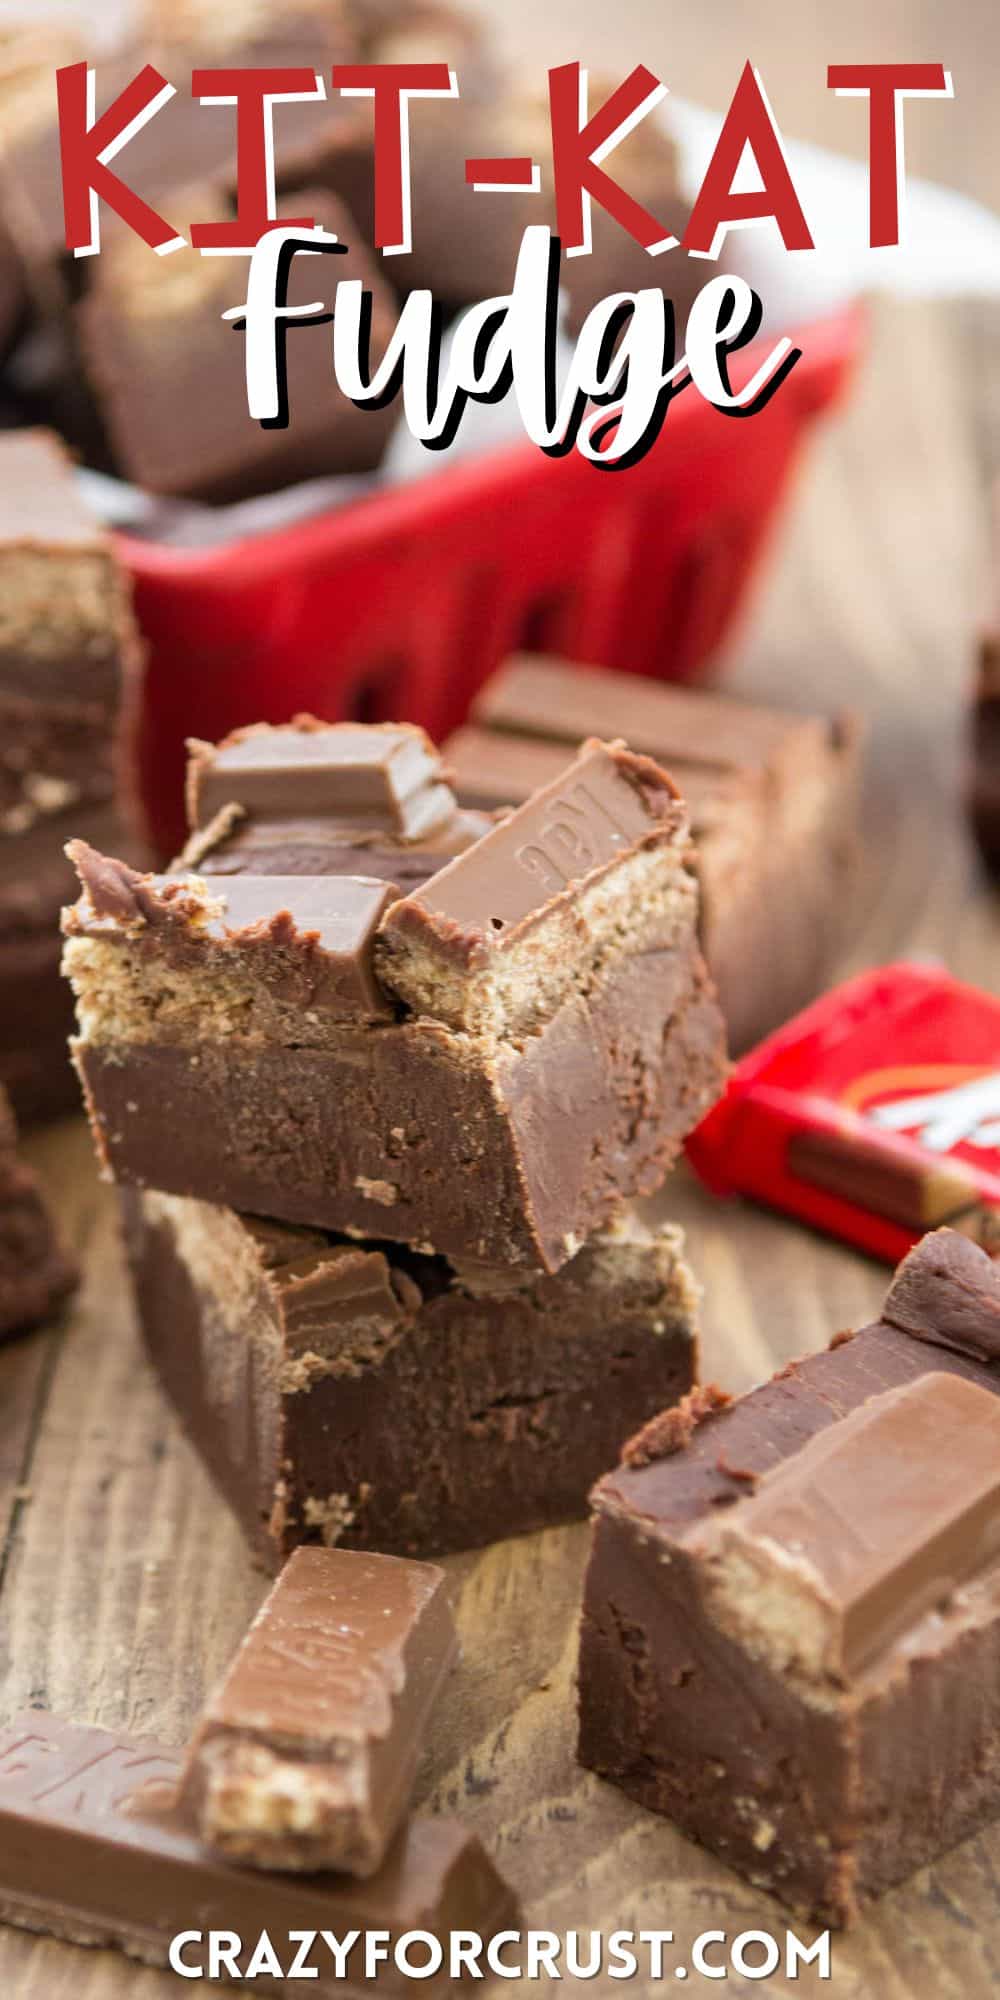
385,776
877,1175
540,888
95,1849
306,1753
852,1534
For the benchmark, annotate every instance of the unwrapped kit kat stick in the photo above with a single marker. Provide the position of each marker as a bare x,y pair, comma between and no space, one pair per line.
306,1753
874,1115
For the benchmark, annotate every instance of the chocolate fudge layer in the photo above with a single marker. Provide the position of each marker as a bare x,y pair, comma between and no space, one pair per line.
363,1395
773,800
35,1272
791,1630
485,1067
305,1755
68,644
158,321
93,1849
983,790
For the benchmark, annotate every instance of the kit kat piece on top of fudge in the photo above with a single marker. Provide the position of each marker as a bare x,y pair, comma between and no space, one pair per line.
68,642
787,1595
324,798
304,1757
548,1032
95,1849
365,1395
772,796
267,955
529,914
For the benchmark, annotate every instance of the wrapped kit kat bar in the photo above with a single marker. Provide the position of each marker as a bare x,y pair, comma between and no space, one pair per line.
874,1115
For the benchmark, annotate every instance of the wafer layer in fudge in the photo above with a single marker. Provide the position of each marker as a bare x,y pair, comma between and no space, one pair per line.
36,1274
484,1067
305,1755
773,800
361,1394
791,1631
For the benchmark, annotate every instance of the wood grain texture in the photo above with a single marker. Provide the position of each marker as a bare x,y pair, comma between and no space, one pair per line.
125,1584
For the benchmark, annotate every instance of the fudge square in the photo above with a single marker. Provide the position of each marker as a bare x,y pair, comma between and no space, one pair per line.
68,643
361,1394
483,1068
772,797
166,369
791,1626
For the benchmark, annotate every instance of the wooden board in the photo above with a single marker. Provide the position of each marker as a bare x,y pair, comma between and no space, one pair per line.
124,1585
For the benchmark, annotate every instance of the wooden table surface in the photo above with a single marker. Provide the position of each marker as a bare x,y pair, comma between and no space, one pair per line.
124,1584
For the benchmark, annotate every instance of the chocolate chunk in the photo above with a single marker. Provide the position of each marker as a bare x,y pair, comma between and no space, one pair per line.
772,798
95,1850
305,1756
386,778
292,1357
779,1612
947,1291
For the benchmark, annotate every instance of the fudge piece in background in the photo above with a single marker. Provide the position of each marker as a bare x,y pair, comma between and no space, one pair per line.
485,1067
69,666
157,322
36,1274
791,1641
69,648
362,1394
305,1755
773,800
983,788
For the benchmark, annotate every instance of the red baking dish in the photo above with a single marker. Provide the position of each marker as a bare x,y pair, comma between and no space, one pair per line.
401,605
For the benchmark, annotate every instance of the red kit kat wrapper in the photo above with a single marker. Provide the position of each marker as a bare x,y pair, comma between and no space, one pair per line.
874,1115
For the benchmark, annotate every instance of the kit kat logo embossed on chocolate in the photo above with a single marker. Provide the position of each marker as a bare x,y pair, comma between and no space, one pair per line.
579,833
108,1777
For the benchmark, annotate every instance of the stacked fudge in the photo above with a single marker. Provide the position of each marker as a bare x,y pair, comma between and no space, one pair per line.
381,1077
68,658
